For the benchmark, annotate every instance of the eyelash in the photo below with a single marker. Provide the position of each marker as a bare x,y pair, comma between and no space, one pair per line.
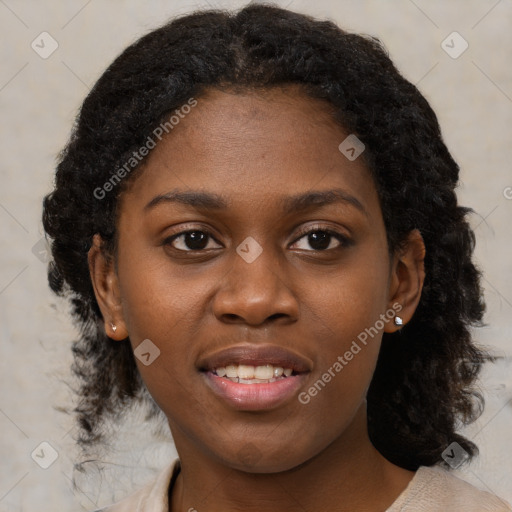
343,240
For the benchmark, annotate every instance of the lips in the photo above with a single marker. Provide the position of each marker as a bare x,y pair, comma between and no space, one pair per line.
254,394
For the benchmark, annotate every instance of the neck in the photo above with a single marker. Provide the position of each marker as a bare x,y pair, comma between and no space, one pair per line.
348,475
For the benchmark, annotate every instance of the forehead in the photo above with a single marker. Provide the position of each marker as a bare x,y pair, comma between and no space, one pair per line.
255,146
276,118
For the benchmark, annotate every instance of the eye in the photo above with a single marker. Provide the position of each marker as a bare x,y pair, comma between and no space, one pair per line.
321,240
191,240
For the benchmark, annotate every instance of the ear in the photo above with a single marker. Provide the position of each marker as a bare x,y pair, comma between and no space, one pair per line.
106,288
406,280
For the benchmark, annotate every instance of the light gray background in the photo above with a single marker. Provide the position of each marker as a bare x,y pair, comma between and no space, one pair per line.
39,98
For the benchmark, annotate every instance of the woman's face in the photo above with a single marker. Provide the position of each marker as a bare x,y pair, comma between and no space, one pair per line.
249,291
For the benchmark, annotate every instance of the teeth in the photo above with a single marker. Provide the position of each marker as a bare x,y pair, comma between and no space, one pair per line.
264,372
278,371
253,381
248,374
231,371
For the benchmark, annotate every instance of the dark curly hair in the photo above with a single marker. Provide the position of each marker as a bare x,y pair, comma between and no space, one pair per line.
423,387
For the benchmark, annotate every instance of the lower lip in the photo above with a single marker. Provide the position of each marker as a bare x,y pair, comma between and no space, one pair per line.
254,397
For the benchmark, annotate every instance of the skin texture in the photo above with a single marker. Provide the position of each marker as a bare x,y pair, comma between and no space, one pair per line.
253,149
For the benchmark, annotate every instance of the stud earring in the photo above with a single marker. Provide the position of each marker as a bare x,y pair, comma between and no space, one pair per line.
114,327
399,320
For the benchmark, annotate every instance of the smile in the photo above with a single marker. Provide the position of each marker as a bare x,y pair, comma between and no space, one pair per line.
247,374
254,377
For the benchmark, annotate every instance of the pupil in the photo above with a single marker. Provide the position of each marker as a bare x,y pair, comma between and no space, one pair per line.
196,240
319,240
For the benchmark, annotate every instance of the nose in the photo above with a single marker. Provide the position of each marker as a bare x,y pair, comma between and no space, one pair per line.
256,293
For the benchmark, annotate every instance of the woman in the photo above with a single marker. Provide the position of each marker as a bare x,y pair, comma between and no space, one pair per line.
255,219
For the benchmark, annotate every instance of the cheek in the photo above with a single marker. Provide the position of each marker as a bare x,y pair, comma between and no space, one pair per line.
351,298
345,358
166,308
159,300
346,306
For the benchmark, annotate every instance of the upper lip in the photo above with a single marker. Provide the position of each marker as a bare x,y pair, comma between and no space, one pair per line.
255,355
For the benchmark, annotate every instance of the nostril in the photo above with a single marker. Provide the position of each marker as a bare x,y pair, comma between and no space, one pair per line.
231,317
276,315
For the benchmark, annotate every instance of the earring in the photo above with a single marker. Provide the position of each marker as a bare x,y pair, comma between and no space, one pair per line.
114,327
399,320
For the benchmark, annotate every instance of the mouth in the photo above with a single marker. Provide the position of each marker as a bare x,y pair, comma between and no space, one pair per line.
254,378
248,374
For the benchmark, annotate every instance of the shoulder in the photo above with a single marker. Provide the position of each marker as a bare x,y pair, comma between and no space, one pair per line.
435,489
153,497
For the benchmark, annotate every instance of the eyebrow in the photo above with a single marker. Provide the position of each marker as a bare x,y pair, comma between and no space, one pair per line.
319,198
290,204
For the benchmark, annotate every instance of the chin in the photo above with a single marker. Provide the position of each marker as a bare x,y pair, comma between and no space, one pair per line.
250,459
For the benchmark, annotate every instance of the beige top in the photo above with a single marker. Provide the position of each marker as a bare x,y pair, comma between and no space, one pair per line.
432,489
